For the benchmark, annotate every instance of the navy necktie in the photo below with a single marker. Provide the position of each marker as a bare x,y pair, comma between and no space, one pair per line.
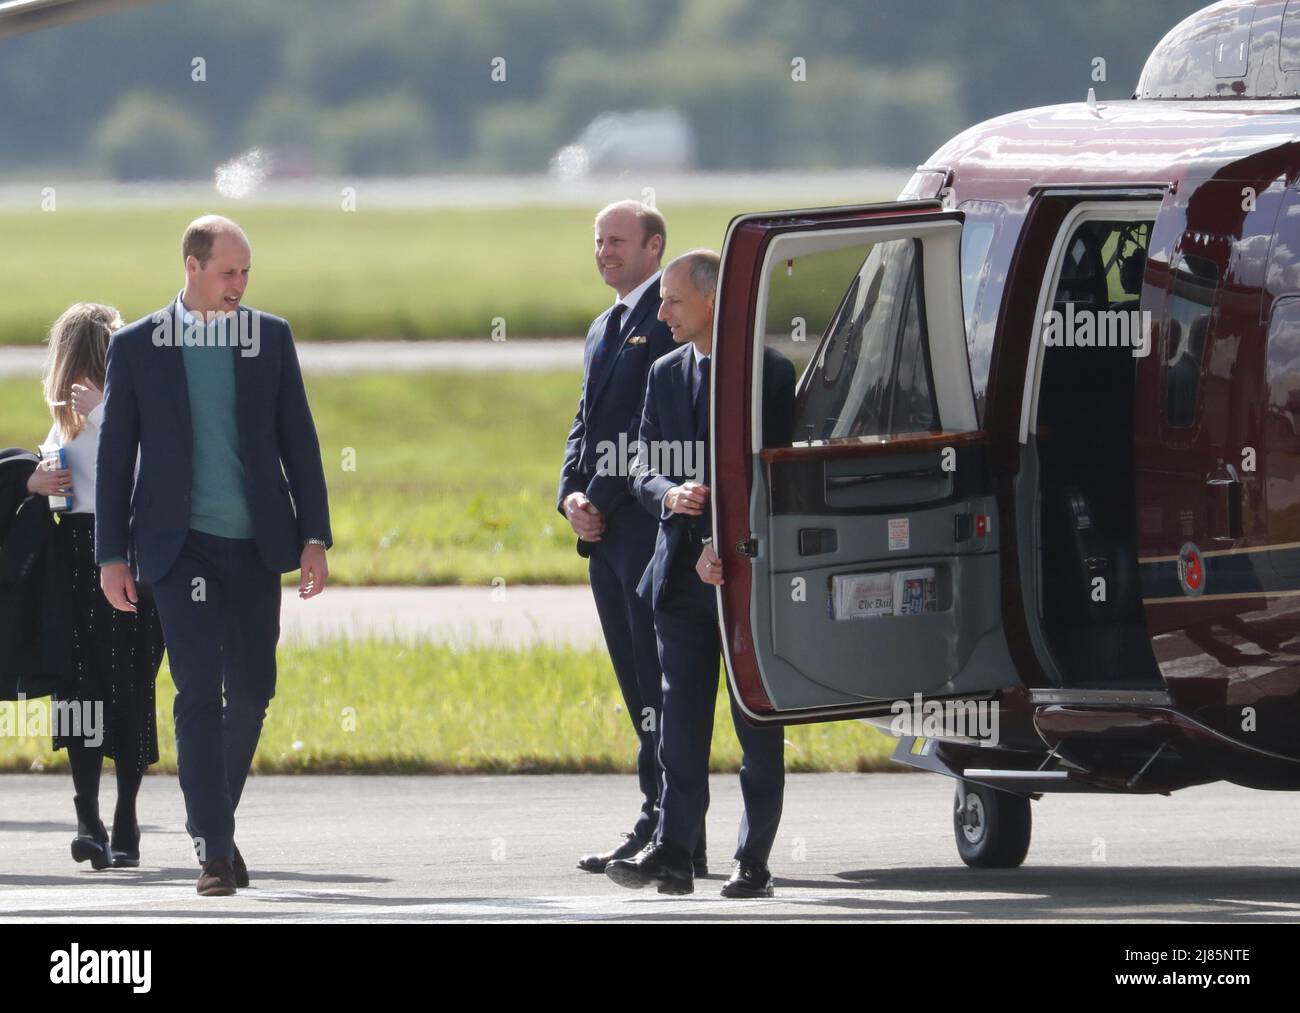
700,526
608,341
702,398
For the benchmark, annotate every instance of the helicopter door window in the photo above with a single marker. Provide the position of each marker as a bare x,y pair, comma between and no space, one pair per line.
871,374
1191,303
804,296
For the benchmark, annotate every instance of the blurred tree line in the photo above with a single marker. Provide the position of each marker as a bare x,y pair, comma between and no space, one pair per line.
397,87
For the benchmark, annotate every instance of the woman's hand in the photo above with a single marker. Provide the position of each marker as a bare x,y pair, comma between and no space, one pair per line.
48,480
86,397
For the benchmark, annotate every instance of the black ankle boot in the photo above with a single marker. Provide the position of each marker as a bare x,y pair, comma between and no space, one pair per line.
125,845
91,842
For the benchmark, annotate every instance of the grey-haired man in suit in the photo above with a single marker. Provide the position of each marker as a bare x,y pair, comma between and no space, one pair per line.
679,583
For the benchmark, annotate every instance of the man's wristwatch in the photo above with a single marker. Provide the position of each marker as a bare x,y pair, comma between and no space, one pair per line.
315,541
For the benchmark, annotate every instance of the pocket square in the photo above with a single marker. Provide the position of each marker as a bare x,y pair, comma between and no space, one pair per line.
639,339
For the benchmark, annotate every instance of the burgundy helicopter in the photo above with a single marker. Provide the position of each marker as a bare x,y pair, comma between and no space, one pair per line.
1046,452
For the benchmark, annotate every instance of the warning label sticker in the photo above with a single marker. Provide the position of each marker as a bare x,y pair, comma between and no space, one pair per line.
899,534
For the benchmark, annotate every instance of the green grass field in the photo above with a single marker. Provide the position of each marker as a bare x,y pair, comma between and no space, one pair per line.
455,473
383,706
412,273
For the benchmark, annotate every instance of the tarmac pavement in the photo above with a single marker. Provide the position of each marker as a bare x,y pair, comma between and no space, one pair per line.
875,847
515,616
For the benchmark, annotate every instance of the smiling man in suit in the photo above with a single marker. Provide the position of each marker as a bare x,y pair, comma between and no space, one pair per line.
613,532
230,494
671,481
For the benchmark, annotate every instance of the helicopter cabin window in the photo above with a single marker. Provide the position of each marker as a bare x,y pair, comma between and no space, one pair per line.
870,373
1191,302
1283,420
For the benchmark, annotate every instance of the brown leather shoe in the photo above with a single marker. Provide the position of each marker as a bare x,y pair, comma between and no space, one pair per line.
217,878
241,870
237,863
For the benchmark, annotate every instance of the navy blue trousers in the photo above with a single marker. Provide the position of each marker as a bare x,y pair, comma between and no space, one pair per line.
220,612
628,625
690,652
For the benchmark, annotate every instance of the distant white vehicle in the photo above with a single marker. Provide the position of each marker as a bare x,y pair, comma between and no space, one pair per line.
659,139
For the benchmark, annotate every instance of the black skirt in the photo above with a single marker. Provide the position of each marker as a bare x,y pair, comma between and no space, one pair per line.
115,655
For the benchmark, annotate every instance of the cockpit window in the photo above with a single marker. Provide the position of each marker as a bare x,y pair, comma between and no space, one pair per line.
981,288
976,239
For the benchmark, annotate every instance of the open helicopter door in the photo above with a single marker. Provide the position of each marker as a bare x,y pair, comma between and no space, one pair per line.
852,497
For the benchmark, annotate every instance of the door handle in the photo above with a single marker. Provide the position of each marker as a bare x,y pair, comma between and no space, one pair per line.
1225,503
849,481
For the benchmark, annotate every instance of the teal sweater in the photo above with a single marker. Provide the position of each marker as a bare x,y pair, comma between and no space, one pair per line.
218,502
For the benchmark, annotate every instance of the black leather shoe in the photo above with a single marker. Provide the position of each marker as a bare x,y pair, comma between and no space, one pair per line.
749,879
91,843
217,878
700,859
597,862
86,849
240,869
665,865
125,844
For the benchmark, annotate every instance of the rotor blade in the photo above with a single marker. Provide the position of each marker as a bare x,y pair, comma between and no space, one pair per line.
18,17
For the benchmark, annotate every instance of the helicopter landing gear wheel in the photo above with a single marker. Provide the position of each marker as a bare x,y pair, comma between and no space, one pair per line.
992,827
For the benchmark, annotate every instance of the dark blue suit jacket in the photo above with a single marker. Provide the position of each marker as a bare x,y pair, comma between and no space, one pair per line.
609,407
669,418
146,407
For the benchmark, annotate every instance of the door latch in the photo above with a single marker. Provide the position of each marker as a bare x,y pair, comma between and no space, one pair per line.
749,547
1225,504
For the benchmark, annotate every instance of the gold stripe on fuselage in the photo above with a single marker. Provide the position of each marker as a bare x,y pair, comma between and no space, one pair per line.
1188,599
1224,552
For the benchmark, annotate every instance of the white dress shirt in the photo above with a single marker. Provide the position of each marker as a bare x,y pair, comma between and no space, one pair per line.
632,298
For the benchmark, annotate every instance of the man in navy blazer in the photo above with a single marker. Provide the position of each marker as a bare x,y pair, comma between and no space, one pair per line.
230,494
671,481
613,532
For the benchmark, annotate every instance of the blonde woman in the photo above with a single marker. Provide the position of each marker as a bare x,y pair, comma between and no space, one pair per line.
114,655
